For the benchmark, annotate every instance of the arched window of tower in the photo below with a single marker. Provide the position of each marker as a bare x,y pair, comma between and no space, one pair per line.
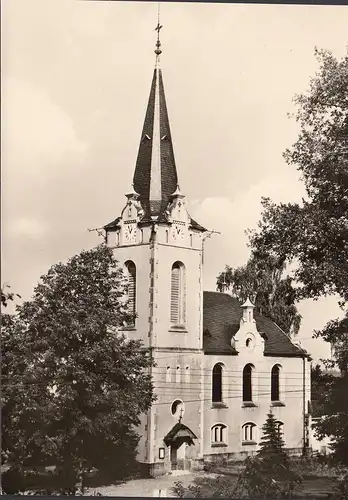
131,290
177,295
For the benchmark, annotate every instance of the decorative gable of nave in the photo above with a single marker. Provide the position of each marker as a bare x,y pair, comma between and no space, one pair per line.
248,340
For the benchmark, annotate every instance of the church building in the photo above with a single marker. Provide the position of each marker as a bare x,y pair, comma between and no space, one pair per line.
220,366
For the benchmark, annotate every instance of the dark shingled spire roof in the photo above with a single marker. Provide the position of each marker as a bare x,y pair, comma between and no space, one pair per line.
155,177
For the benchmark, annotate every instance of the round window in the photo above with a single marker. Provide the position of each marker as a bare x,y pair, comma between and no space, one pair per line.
177,408
249,343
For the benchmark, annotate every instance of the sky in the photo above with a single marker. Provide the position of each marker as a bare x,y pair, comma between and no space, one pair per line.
75,82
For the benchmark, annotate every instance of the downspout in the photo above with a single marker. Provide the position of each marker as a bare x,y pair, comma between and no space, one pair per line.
304,448
150,422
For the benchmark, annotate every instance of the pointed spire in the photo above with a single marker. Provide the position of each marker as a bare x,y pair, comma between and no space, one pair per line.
177,193
132,194
155,176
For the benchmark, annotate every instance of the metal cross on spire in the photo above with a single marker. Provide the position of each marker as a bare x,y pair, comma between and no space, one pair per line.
158,28
180,417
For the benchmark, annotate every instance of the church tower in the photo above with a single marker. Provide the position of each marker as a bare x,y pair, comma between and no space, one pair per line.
161,249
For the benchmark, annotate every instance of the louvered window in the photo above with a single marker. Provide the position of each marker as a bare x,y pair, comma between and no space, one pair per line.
132,282
177,304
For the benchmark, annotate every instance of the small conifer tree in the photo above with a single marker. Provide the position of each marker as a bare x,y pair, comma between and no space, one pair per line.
272,445
270,474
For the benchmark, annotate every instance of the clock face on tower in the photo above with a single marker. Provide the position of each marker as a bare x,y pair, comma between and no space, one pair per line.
130,233
177,232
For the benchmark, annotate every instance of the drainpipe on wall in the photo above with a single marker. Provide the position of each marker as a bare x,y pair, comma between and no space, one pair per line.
150,418
304,447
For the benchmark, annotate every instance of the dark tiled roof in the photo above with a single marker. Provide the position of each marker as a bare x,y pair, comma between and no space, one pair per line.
179,431
195,225
113,225
168,173
142,174
221,319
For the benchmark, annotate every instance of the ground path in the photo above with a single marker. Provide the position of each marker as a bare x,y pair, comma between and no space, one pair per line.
153,487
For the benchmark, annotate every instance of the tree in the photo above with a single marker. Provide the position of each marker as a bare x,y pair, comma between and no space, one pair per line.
263,280
314,233
6,296
272,444
321,382
73,386
270,474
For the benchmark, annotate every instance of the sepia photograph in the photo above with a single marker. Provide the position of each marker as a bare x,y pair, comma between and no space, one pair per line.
174,251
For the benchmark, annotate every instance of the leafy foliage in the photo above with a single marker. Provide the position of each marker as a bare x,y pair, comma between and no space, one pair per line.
73,386
334,422
314,234
321,383
7,296
341,489
263,280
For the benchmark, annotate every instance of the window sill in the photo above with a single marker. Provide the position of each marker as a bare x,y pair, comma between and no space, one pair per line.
219,405
178,329
249,404
129,328
277,403
218,445
249,443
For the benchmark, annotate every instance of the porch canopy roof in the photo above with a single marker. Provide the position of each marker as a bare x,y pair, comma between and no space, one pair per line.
179,432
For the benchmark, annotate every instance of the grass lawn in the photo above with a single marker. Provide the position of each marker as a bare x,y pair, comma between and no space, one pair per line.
314,485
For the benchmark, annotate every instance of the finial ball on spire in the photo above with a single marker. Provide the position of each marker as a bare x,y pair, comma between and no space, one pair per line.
159,26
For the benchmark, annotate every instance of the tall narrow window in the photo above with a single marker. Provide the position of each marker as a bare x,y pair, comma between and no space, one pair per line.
178,375
132,286
177,296
247,383
275,383
217,384
168,374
